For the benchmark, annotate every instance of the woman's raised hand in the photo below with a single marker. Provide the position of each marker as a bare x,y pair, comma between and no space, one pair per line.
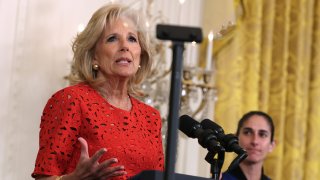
89,167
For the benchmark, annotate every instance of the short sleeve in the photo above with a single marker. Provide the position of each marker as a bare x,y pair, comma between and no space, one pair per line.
59,130
158,138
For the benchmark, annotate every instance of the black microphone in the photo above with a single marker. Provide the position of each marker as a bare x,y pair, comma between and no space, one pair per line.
229,141
206,137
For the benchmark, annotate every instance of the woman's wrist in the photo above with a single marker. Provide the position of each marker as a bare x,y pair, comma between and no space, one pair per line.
60,177
70,176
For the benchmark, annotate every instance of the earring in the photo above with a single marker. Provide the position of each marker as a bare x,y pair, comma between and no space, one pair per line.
139,66
95,67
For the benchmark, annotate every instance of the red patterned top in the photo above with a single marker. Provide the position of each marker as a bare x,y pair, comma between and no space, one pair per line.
133,137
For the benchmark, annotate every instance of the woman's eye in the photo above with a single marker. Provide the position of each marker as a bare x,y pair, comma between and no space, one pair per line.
111,38
132,39
264,135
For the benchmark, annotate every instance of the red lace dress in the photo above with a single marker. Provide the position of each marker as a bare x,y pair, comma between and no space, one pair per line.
134,137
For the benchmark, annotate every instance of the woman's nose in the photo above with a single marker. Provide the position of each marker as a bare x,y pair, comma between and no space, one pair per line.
255,139
124,48
124,45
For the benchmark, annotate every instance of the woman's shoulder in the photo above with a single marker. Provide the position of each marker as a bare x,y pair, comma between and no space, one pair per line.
143,106
228,176
80,89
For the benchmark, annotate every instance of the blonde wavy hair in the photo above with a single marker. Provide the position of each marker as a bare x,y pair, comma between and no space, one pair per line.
84,46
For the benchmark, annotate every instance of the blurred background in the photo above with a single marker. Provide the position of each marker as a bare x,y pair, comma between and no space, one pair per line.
255,55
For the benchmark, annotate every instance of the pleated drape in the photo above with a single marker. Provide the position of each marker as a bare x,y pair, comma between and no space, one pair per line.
270,61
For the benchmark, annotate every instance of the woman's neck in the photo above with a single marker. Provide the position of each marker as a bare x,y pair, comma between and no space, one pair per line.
252,171
116,88
116,93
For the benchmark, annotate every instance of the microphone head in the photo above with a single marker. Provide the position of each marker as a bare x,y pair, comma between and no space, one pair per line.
208,124
189,126
232,144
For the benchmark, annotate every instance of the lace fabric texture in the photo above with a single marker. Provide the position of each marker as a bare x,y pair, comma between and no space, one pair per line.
133,137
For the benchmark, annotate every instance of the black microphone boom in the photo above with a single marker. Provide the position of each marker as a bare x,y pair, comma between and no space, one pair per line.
229,141
206,138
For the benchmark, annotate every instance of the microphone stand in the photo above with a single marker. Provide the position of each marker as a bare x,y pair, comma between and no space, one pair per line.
237,161
178,35
215,164
174,105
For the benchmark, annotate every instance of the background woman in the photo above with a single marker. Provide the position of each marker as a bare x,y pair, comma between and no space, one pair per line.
256,135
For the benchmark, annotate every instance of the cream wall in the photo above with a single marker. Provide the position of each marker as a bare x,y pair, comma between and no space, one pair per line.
35,38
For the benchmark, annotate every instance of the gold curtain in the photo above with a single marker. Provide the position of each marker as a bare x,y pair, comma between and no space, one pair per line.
270,61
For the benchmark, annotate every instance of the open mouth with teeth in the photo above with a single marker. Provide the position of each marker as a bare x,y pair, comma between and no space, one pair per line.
123,61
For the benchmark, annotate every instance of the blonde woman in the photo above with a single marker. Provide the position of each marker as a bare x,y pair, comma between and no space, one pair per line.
96,128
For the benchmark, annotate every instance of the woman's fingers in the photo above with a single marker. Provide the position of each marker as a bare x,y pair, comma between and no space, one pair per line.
115,173
89,167
85,152
107,163
84,148
95,158
107,170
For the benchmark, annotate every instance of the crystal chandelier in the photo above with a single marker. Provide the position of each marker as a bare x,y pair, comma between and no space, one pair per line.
198,90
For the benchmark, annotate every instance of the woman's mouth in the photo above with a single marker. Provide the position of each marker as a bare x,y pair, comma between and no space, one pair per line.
123,61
